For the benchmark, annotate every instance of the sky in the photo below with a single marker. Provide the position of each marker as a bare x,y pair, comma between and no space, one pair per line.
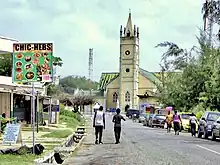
77,25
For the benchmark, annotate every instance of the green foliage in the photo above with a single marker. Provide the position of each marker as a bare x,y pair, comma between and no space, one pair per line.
58,134
70,114
70,83
6,64
53,89
57,61
192,77
9,159
199,114
71,119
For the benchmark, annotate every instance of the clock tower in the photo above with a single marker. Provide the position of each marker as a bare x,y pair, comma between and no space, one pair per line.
129,65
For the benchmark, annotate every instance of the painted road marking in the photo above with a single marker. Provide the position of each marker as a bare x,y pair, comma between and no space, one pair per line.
205,148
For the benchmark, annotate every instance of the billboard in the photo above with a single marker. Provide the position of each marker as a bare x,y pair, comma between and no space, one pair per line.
32,62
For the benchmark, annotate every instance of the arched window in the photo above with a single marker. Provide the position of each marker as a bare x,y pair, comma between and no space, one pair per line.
127,97
115,97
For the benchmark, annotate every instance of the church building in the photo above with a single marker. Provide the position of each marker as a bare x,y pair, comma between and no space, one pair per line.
132,85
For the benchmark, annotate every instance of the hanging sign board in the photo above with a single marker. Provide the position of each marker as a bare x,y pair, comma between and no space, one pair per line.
32,62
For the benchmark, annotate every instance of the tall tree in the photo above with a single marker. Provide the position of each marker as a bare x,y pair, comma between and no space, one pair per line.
196,80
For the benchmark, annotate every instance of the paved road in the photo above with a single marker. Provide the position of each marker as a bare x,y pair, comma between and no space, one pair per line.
146,146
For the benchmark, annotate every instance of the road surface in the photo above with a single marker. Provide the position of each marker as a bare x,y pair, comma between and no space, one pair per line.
146,146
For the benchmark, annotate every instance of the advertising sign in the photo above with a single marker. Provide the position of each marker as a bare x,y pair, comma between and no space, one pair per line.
32,62
12,134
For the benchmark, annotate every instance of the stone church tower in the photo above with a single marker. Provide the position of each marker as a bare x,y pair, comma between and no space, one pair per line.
129,65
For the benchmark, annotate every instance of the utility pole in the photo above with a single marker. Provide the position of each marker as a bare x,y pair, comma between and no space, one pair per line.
90,75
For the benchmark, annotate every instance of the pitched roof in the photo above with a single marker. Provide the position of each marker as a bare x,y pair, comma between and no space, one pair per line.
129,28
107,78
149,75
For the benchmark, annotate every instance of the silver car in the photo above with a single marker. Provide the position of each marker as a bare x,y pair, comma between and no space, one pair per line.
142,117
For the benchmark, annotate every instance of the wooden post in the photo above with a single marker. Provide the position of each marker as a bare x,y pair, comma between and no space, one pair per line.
12,104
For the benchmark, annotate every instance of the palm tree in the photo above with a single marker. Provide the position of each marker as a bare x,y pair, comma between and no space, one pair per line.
175,58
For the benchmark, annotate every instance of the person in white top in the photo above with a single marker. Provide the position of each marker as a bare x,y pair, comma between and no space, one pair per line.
99,124
192,122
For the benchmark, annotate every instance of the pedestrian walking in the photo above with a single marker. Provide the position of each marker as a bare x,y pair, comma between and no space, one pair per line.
169,119
117,125
177,123
134,117
99,124
192,122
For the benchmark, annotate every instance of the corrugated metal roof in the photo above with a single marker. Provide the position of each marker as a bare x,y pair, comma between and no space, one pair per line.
149,75
107,78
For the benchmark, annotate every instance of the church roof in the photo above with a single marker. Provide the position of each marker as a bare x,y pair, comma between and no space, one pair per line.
149,75
129,28
107,78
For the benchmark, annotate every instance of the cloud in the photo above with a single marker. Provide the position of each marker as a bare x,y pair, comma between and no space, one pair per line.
75,26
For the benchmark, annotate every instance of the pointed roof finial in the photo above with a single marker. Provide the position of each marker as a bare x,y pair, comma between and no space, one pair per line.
129,28
129,12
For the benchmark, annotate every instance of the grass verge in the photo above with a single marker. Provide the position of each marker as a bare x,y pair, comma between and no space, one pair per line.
17,159
68,118
58,134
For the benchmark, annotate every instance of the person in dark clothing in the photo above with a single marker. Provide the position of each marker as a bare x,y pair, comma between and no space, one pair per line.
117,126
99,124
193,121
177,122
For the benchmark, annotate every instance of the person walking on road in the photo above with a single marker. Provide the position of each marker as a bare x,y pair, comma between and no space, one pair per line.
134,117
169,119
99,124
117,125
176,122
192,122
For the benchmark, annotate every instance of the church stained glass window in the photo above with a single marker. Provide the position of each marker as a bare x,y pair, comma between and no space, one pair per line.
127,97
115,97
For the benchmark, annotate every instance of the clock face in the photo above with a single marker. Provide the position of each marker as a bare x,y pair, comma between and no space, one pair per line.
127,52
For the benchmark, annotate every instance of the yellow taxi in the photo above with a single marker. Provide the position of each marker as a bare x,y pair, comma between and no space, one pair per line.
185,121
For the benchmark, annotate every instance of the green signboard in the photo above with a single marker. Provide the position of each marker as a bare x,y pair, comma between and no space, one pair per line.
32,62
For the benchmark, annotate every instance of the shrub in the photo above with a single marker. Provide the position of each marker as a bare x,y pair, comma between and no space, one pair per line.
199,114
68,113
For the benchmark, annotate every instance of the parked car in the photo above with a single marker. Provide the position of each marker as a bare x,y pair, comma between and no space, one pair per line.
142,117
216,129
185,122
148,117
157,120
210,118
130,113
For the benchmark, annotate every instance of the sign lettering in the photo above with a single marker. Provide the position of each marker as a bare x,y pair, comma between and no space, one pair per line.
32,62
12,134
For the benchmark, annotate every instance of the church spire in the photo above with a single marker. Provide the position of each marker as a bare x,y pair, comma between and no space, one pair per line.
129,28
